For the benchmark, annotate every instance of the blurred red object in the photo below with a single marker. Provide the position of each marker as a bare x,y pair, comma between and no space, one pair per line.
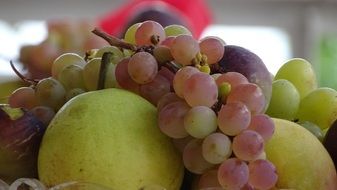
194,14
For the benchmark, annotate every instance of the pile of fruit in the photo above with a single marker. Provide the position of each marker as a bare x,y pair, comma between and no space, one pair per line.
161,110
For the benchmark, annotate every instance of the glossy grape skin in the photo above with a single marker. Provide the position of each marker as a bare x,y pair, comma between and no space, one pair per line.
300,73
285,100
319,107
249,64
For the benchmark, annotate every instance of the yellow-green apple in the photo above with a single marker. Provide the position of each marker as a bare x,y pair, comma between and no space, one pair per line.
109,137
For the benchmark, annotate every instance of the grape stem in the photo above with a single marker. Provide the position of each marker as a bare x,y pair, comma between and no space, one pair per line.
25,79
103,69
112,40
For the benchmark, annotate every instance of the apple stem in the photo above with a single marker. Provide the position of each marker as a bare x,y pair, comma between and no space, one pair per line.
25,79
103,69
112,40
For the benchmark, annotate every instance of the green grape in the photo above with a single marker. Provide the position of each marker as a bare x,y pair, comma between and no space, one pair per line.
74,92
117,54
319,107
300,73
176,30
130,33
65,60
313,128
91,74
50,92
71,77
284,101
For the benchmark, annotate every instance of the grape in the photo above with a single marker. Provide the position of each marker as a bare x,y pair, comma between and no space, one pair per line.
142,67
65,60
149,33
193,159
171,119
23,97
200,90
155,89
216,148
117,54
166,99
181,143
248,145
168,41
123,78
251,95
43,113
284,101
233,174
200,121
73,93
300,73
233,78
262,174
184,49
130,33
209,180
213,48
233,118
169,75
176,30
313,128
71,77
180,78
241,60
319,107
162,54
50,92
91,74
262,124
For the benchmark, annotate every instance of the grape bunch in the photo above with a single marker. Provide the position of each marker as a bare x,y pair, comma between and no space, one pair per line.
216,119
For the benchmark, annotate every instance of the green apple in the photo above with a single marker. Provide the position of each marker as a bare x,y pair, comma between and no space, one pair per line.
109,137
301,160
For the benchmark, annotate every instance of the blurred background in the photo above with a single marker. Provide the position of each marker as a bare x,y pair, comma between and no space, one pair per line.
276,30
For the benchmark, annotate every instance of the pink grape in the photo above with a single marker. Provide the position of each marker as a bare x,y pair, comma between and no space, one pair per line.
142,67
233,78
251,95
181,143
171,119
233,174
200,90
216,148
248,145
233,118
262,174
166,99
193,159
23,97
169,75
168,41
184,48
213,48
200,121
149,33
209,180
123,78
262,124
155,89
180,78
